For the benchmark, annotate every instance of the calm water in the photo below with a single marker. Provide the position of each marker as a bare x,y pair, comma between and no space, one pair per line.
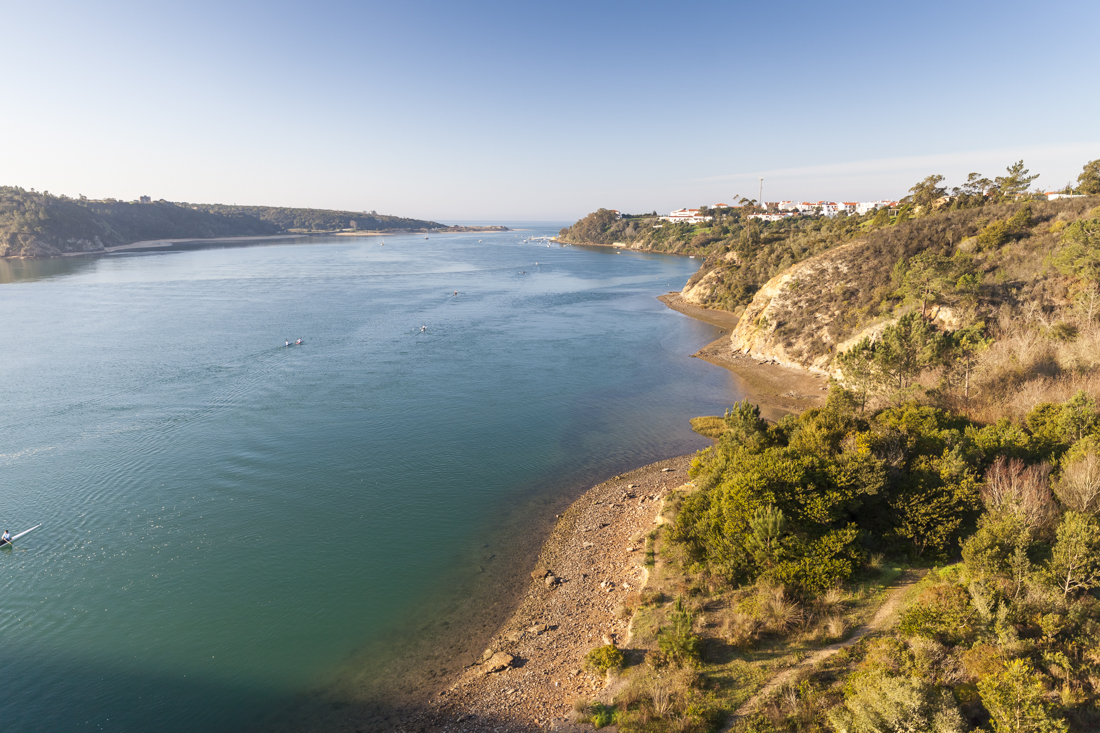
228,524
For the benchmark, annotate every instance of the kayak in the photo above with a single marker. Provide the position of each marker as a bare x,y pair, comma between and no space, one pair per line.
15,537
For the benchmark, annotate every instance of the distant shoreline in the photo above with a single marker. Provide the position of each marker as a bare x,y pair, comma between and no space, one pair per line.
167,245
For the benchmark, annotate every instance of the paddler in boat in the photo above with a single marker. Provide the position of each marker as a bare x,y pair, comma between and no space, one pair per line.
298,342
6,537
288,343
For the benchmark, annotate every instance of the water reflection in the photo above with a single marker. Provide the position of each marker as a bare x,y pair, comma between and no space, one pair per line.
14,270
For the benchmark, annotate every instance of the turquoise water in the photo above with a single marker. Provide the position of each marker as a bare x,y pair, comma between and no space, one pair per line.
229,525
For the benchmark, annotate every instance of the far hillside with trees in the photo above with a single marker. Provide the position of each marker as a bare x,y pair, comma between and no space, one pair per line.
39,224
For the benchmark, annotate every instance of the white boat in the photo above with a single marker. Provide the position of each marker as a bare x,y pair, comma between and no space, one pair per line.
15,537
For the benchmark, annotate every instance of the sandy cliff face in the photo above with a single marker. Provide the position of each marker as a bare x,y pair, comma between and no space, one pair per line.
806,315
763,330
702,292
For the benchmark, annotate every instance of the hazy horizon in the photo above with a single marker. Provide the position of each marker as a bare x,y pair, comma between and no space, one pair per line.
500,112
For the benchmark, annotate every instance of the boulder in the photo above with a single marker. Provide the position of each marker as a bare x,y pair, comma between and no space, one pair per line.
539,574
497,663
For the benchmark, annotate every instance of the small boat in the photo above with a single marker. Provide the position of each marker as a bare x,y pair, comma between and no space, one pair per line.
15,537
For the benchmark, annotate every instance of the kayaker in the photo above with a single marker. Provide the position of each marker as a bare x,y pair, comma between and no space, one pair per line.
288,343
298,342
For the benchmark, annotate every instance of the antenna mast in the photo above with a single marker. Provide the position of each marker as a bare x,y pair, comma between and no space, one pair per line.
761,194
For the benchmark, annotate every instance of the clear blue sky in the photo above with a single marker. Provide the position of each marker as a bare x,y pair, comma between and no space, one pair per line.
522,110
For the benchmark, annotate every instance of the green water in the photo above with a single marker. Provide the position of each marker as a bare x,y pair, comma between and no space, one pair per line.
229,525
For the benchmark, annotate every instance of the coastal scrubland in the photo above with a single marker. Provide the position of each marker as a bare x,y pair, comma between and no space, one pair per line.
921,553
39,224
792,537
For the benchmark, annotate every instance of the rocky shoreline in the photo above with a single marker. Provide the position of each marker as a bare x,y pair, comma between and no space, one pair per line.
533,669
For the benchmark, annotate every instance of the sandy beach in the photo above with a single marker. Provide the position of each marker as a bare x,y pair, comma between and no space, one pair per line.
167,244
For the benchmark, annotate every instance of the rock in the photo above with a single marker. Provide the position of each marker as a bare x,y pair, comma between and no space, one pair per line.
486,654
537,629
539,574
666,470
607,640
497,663
515,636
551,580
586,545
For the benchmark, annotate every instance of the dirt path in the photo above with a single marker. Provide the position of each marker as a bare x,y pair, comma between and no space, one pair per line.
882,617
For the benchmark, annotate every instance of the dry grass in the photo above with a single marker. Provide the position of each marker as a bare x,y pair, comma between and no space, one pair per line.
1028,365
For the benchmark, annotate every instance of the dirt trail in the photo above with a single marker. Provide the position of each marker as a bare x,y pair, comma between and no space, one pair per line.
882,617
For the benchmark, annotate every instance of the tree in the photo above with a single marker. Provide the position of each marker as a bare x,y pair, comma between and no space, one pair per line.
768,526
1089,180
962,348
881,218
927,192
1013,487
878,703
1074,565
1080,253
1078,486
1014,699
1016,182
925,278
976,186
859,370
907,349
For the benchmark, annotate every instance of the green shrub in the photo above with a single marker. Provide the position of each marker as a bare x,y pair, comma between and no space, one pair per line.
602,715
942,612
1014,699
679,645
604,658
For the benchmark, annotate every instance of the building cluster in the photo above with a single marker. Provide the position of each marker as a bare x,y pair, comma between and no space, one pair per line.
777,210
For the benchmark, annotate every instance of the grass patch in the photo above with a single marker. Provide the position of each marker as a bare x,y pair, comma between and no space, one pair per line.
709,426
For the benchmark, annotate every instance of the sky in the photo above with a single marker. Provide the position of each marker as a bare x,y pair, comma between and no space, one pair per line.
539,111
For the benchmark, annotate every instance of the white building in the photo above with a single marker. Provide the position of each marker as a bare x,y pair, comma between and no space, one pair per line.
687,216
774,217
1055,195
865,206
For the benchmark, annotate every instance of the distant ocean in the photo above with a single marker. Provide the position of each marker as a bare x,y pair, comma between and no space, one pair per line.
231,527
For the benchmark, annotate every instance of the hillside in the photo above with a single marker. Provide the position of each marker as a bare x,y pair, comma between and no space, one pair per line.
759,246
36,224
319,220
805,312
41,225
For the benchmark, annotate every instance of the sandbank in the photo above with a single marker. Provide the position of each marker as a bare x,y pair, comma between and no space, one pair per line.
167,244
